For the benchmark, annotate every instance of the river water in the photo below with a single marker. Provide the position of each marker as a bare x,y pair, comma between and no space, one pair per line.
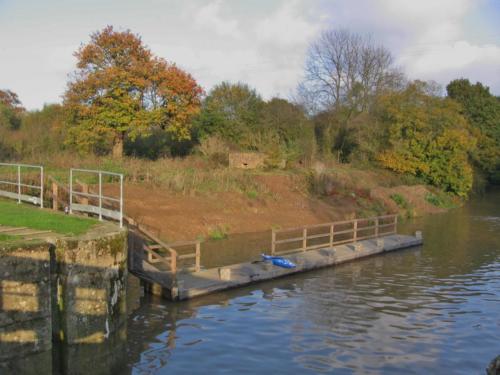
428,310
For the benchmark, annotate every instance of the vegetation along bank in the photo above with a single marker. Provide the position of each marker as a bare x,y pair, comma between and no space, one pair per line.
356,138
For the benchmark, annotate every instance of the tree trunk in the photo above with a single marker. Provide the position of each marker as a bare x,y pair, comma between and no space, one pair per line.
118,146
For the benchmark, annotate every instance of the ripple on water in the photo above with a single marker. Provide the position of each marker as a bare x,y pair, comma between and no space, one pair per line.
430,310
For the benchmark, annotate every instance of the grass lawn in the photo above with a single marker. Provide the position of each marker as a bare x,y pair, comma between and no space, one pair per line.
6,237
22,215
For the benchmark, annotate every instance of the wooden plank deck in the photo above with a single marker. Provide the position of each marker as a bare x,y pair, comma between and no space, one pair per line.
186,285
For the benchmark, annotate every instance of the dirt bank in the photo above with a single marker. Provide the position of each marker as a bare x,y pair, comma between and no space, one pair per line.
285,203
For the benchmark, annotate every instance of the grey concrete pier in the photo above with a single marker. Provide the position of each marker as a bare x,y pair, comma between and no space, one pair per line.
192,284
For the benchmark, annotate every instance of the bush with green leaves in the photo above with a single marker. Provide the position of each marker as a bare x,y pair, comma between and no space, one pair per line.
400,200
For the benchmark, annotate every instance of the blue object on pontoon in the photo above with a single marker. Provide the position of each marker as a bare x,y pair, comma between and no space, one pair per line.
279,261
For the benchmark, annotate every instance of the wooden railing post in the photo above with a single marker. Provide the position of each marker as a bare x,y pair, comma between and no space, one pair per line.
304,239
85,190
273,242
355,230
376,226
55,197
395,223
331,235
173,262
198,256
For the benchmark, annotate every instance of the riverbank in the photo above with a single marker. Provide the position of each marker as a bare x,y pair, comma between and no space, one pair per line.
280,199
393,313
198,198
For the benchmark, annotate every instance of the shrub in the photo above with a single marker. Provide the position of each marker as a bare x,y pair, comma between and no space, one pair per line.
215,150
441,200
252,194
219,232
400,201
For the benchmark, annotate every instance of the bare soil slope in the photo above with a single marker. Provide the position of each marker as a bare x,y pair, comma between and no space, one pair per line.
185,217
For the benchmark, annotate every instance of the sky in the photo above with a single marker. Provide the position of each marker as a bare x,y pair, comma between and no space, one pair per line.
259,42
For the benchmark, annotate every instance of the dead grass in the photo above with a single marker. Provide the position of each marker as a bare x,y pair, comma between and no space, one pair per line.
190,175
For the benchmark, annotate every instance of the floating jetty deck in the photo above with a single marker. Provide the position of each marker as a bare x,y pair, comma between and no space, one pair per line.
212,280
158,266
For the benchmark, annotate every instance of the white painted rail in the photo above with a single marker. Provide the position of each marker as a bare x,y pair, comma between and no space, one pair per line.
19,184
98,209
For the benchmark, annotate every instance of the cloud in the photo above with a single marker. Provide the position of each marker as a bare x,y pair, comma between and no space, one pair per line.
265,48
434,40
454,56
262,42
287,26
209,17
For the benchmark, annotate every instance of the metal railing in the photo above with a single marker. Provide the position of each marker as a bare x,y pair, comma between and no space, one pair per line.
19,184
98,197
331,234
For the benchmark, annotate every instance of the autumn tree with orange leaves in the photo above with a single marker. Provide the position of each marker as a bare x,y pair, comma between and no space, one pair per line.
120,89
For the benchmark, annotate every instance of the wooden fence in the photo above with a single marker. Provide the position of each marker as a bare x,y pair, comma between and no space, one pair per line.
168,255
174,257
331,234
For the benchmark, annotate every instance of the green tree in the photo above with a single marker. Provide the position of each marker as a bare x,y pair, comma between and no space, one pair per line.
293,128
40,133
121,90
482,109
9,118
11,100
232,112
11,110
428,137
336,132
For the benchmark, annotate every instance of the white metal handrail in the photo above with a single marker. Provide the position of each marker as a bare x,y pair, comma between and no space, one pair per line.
38,199
99,209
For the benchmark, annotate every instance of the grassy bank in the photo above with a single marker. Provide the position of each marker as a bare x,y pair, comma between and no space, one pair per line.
21,215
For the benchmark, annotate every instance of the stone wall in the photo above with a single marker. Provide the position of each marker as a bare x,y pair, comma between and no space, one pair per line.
63,306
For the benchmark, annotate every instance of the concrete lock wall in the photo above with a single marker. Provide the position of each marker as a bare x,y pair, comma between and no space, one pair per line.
63,306
25,310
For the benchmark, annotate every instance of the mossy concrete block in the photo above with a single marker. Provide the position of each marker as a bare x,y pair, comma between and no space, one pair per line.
96,359
33,364
357,246
25,314
64,299
92,276
225,274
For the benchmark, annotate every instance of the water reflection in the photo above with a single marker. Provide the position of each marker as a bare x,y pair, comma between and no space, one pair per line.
434,309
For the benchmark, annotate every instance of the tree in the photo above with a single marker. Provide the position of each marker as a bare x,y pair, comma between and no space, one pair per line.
482,109
120,89
345,73
346,69
9,117
336,133
294,130
426,136
230,111
11,110
11,100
